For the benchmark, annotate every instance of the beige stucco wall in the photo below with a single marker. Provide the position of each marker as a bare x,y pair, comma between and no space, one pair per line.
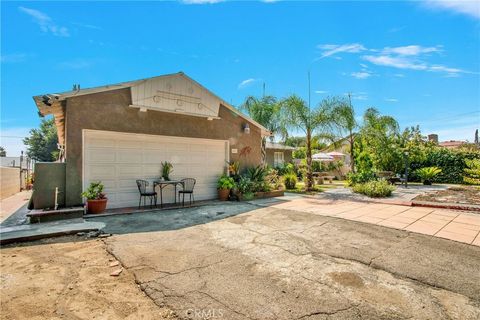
287,155
9,181
110,111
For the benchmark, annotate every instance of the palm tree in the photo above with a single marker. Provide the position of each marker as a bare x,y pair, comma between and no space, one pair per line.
346,121
295,114
379,134
264,110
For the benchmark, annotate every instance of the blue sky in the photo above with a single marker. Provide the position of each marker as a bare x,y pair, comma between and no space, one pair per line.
418,61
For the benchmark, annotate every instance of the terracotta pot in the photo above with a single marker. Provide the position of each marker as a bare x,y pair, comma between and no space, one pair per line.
223,194
96,206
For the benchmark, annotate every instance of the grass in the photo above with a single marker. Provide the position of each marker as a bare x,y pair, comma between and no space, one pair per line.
300,188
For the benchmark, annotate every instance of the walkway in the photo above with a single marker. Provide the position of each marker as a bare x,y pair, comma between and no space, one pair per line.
11,204
449,224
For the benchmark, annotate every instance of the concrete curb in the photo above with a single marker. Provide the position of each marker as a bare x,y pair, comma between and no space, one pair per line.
451,206
30,232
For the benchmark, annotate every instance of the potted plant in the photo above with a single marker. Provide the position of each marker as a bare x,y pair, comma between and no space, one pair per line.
96,199
224,185
166,170
427,174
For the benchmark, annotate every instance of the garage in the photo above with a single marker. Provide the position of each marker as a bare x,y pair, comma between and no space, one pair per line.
118,159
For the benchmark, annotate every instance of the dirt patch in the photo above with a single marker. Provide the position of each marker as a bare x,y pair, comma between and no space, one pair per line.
347,279
70,280
459,195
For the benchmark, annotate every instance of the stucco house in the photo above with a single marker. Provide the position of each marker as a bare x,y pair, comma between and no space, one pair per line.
278,154
122,132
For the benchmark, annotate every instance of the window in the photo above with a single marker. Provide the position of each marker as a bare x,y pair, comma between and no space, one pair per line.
277,159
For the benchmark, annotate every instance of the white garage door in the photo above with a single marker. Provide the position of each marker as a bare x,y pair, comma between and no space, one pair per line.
118,159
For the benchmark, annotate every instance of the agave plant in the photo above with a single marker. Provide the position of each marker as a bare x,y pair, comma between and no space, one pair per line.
427,174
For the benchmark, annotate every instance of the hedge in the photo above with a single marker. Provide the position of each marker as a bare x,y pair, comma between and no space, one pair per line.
452,163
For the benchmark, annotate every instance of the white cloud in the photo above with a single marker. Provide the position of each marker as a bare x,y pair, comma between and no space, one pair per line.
391,100
396,62
399,75
321,91
412,57
328,50
361,75
45,22
201,1
467,7
403,62
412,50
14,57
87,26
247,82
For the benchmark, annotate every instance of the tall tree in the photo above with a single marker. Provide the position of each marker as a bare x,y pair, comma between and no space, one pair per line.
296,115
265,110
3,152
379,136
346,121
42,142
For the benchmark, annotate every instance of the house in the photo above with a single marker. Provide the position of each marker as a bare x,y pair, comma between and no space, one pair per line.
452,144
277,154
340,151
122,132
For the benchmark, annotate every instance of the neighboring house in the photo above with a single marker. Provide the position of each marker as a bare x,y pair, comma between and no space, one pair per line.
277,154
452,144
340,151
122,132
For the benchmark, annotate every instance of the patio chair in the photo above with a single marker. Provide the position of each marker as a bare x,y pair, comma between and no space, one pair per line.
142,188
188,185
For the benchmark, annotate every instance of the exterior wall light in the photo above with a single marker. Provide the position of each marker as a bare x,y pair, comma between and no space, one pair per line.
246,128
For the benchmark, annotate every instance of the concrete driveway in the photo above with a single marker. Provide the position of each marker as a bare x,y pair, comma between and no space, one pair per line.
271,263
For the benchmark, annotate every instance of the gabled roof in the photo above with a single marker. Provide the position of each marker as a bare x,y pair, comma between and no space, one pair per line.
277,146
52,103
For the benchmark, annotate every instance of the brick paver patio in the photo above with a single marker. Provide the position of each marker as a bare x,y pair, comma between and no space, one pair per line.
449,224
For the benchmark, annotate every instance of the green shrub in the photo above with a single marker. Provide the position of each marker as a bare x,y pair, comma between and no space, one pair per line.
285,168
374,189
290,180
225,182
245,185
360,177
472,172
451,162
428,173
257,176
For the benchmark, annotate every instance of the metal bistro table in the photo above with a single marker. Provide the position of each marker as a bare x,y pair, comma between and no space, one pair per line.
162,184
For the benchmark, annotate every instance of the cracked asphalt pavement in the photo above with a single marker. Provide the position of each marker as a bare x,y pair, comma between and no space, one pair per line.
269,263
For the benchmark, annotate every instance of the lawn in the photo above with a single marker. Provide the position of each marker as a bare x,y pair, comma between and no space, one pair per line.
300,188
